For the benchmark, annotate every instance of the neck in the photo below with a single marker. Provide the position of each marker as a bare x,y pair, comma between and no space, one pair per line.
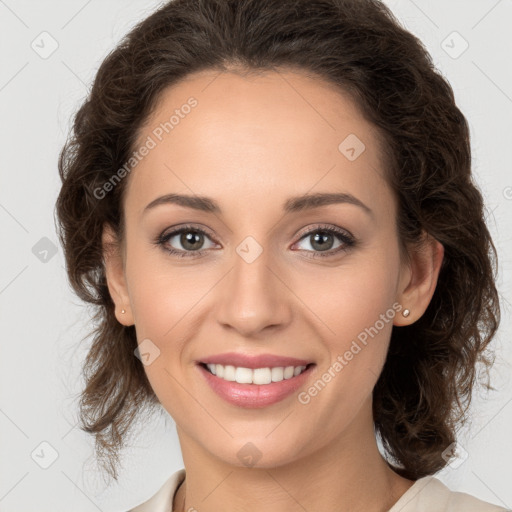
348,474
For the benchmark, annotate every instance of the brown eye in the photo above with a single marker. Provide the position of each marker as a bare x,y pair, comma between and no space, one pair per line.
191,240
186,241
323,240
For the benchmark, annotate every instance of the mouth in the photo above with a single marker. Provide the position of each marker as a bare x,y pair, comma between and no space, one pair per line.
259,376
252,388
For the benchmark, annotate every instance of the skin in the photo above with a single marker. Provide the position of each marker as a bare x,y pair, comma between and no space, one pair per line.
250,144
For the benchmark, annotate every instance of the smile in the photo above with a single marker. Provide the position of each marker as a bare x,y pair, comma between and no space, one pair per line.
254,387
260,376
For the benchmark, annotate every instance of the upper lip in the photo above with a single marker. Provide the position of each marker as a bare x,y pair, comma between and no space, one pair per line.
256,361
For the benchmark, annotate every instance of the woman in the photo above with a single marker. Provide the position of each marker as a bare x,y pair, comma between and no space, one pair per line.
271,206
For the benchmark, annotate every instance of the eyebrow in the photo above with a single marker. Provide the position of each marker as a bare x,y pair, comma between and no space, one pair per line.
291,205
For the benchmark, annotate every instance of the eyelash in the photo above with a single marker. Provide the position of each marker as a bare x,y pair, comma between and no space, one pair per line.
348,241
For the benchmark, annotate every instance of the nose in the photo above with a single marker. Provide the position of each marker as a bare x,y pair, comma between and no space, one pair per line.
253,299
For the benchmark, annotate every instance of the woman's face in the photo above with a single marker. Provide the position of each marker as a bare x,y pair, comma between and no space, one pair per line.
261,275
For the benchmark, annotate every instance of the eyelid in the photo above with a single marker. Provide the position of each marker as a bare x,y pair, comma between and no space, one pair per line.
325,227
347,239
176,230
306,231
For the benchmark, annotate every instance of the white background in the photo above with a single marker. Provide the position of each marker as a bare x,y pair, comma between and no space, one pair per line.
43,322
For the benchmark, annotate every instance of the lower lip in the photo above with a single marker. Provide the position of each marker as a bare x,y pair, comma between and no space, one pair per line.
254,396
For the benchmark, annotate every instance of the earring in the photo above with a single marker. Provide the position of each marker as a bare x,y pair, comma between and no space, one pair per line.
123,311
405,312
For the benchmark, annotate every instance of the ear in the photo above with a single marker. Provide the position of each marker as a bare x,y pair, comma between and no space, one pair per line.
115,275
418,279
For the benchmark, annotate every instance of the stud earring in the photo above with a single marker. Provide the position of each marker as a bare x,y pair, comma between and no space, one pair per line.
405,312
123,311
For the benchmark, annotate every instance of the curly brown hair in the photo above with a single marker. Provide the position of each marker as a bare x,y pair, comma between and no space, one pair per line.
424,391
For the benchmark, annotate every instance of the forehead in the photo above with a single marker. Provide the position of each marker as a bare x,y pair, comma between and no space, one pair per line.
248,139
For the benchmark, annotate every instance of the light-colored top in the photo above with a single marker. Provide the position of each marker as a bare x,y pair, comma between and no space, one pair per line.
428,494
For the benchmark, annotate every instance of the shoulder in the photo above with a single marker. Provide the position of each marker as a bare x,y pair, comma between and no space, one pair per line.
429,493
161,501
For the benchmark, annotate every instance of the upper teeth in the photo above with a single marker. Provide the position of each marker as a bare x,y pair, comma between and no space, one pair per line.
256,376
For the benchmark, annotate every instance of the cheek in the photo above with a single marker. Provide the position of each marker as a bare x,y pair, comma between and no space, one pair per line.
354,306
161,292
166,303
351,298
169,304
356,313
